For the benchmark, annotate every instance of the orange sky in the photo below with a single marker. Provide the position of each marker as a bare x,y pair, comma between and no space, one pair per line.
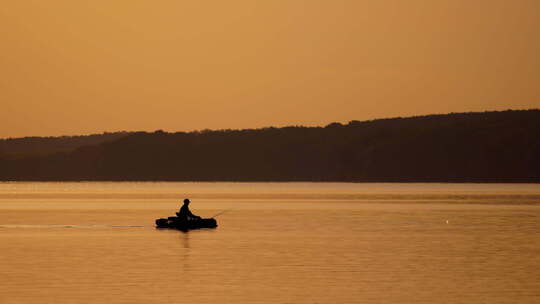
77,67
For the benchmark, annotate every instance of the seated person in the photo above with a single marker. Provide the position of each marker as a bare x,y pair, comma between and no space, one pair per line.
185,214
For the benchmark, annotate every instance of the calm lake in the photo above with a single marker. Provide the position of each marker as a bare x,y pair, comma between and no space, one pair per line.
276,243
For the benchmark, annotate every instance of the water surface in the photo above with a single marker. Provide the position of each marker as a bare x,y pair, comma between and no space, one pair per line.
278,243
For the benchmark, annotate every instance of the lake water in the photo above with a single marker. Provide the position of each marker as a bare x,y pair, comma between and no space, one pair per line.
277,243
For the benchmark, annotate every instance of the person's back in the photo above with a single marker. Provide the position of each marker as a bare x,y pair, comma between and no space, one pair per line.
184,214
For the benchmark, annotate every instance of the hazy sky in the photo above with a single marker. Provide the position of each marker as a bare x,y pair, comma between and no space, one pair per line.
78,67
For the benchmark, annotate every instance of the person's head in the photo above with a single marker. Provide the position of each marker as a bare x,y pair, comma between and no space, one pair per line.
186,201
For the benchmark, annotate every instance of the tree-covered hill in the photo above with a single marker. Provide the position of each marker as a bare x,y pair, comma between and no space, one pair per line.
464,147
36,146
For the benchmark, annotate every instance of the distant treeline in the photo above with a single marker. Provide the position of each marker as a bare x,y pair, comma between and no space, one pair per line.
464,147
32,146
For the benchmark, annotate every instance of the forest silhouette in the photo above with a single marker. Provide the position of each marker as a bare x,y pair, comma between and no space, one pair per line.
458,147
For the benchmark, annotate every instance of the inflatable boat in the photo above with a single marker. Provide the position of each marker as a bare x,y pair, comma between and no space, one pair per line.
173,222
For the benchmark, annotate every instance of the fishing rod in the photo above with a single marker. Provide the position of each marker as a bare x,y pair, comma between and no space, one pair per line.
220,213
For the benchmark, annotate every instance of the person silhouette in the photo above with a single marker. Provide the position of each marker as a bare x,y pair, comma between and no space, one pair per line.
184,214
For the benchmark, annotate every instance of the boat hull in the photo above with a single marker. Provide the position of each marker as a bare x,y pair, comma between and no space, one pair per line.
174,223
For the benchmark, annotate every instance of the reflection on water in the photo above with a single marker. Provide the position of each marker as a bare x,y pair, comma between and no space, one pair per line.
475,244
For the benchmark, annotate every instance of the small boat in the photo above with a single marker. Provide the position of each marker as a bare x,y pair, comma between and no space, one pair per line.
173,222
